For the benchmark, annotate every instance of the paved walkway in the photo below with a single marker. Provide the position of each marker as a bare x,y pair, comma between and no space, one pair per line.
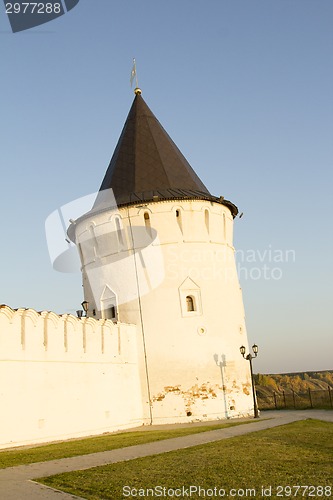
16,483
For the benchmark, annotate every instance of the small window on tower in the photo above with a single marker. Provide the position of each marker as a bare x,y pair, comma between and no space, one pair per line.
109,304
179,219
190,303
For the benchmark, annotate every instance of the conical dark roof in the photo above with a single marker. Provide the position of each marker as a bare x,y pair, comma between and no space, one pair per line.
146,160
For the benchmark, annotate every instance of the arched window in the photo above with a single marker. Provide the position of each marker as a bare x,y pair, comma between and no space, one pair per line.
190,303
207,220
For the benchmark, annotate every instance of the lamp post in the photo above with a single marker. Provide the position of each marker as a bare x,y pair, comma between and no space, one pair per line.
85,307
249,357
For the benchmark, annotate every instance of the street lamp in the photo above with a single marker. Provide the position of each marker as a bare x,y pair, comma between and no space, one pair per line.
85,306
249,357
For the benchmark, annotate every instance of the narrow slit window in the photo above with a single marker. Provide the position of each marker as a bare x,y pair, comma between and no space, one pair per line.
224,228
119,232
179,220
147,223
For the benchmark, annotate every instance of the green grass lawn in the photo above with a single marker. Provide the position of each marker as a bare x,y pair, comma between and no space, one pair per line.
73,448
297,454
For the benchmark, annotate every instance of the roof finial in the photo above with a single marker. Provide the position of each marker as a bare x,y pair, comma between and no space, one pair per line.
137,91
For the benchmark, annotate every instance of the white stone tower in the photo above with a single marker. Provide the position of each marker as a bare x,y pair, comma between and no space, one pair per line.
161,257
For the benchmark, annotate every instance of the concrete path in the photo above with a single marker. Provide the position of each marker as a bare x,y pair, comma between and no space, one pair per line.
16,483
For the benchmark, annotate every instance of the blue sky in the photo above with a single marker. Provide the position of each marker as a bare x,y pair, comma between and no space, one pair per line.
244,88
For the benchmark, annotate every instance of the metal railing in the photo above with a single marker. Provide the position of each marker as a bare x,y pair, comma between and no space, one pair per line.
291,399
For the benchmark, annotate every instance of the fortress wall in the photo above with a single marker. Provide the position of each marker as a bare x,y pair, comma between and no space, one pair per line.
62,377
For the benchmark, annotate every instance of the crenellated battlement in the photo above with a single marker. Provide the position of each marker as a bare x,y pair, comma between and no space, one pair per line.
187,221
28,334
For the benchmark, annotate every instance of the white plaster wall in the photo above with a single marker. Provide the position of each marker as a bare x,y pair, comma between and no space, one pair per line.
194,366
61,377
